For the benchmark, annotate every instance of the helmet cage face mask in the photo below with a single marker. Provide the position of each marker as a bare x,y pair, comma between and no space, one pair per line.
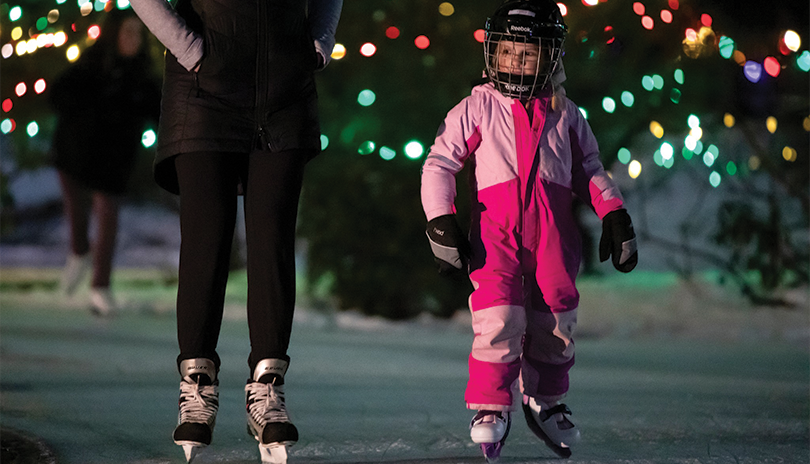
521,75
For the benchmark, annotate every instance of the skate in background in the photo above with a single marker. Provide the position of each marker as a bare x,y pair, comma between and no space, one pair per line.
529,148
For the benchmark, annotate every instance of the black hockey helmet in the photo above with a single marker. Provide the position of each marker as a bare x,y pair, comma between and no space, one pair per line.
523,46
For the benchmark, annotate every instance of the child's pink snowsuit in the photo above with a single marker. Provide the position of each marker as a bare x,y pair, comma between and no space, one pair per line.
525,243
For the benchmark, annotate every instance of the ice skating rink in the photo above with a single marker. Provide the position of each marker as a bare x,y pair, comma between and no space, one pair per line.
663,376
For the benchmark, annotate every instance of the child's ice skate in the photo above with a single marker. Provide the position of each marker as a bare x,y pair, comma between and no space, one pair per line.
551,424
199,401
267,418
490,429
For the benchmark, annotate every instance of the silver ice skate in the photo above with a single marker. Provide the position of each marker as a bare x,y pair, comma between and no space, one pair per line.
199,401
267,417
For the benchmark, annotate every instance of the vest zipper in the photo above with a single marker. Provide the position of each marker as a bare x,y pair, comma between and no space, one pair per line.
262,137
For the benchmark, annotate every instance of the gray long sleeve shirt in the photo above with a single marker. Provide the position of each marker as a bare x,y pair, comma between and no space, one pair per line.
187,46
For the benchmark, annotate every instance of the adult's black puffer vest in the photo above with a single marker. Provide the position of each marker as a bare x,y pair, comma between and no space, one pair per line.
254,88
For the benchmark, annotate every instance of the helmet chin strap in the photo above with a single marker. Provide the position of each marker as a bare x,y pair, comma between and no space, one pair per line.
519,86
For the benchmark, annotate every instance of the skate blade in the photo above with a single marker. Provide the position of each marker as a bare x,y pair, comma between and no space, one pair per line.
191,450
492,451
274,453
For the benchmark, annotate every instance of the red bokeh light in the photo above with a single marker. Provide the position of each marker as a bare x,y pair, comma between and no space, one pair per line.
422,42
39,86
7,105
392,32
93,32
706,20
368,49
772,66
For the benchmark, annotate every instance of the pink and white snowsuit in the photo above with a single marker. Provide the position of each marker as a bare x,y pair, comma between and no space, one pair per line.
526,248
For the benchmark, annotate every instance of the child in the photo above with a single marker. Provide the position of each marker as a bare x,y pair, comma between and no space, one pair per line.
529,148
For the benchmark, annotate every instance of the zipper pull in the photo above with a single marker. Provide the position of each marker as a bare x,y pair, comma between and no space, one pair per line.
197,84
264,144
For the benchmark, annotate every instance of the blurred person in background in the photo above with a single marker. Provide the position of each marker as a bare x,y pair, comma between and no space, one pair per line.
103,103
239,116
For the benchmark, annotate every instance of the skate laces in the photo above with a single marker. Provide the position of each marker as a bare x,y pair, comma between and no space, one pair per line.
487,417
198,403
266,403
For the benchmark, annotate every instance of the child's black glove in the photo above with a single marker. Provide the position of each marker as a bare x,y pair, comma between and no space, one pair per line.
619,240
451,249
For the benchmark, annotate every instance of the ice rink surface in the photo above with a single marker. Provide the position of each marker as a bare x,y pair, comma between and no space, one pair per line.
364,390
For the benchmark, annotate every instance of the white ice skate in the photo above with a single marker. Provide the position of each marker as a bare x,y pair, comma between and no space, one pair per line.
102,303
267,417
76,269
199,402
490,429
551,424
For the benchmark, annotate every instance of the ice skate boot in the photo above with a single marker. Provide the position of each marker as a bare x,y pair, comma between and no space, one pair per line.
199,401
490,429
102,303
551,424
267,418
76,269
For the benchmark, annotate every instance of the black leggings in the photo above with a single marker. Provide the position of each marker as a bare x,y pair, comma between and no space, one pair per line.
208,202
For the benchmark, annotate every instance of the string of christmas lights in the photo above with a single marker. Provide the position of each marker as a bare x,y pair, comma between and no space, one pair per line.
28,33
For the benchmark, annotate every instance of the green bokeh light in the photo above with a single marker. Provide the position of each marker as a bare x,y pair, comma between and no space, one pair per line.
675,96
726,46
628,99
609,104
387,153
366,147
714,179
624,155
32,129
366,97
148,138
658,158
15,13
414,149
803,61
